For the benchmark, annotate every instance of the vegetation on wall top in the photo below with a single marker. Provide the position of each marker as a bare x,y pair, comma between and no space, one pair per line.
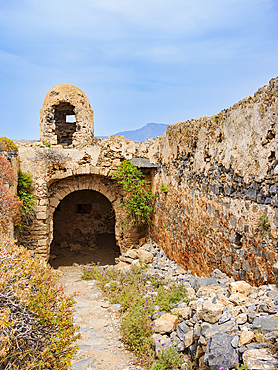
7,145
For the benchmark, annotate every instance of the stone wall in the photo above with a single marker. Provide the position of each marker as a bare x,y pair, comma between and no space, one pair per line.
62,101
60,172
221,210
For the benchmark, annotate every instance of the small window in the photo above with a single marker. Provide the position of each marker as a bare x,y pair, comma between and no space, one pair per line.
84,208
70,118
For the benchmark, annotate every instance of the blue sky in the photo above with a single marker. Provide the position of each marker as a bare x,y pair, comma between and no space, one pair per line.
137,61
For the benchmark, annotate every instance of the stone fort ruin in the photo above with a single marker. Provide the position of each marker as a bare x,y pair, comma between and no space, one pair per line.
221,209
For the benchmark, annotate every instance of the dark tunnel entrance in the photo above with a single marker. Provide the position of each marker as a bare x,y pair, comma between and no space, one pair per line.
84,230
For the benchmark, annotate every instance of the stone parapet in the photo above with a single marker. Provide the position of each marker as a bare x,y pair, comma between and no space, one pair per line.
221,209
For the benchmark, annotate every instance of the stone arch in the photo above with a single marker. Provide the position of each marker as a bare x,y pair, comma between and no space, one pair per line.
105,186
60,101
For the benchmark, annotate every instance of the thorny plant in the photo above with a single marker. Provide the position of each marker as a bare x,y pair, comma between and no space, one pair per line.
10,205
36,321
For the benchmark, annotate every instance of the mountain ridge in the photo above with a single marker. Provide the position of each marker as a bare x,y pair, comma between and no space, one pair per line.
150,130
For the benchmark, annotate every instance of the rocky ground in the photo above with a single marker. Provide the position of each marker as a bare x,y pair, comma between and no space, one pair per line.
225,323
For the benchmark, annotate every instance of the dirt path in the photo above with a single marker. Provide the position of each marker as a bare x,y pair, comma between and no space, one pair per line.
104,253
100,347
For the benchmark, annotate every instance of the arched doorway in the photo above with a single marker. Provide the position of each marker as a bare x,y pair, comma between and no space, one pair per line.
83,230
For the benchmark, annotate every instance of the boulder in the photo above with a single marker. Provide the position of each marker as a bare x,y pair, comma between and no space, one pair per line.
208,291
225,300
202,282
226,316
241,319
126,259
240,287
135,262
142,241
217,274
190,292
273,294
184,312
123,266
177,342
144,256
246,337
210,312
161,342
182,329
259,359
228,327
266,324
237,299
188,339
220,352
131,253
165,324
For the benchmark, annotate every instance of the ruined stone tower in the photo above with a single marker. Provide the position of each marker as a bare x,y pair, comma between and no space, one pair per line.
66,117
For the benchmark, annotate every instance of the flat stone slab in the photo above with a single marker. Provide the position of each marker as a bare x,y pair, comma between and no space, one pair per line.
266,323
143,162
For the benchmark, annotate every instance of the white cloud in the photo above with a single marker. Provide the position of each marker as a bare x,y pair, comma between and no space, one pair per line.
131,57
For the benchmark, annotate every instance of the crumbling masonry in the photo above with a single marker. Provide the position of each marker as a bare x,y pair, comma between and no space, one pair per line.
221,210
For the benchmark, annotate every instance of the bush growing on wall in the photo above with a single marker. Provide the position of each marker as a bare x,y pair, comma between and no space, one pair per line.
37,330
139,200
10,205
25,192
7,145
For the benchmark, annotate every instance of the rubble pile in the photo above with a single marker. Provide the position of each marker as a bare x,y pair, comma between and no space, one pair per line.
220,323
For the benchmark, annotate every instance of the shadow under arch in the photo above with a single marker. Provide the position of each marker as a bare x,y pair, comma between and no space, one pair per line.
96,183
84,230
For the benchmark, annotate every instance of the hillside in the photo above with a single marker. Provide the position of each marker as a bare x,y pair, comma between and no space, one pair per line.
146,132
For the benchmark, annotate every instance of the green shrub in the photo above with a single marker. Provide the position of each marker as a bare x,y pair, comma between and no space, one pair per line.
37,329
138,203
264,224
166,298
25,192
7,145
164,189
168,359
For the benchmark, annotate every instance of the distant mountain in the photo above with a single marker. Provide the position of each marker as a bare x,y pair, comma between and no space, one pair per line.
151,130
